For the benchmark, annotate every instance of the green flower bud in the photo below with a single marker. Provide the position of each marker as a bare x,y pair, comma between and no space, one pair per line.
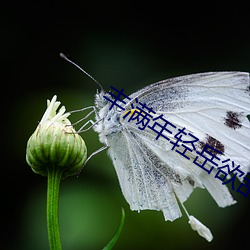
55,144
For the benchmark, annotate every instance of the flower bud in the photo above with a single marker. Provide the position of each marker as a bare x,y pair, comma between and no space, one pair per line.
55,144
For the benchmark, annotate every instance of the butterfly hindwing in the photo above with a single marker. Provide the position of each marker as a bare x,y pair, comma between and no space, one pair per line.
138,170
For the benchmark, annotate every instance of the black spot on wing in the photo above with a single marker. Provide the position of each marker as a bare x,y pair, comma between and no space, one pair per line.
212,142
233,119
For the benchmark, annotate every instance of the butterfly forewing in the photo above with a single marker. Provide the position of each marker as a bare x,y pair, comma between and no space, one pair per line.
213,106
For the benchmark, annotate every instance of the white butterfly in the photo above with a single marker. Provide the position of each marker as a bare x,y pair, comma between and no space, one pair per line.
211,106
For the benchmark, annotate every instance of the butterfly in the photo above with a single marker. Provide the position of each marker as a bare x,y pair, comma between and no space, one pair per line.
211,106
208,110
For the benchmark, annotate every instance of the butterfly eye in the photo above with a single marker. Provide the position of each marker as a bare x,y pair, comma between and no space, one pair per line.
105,101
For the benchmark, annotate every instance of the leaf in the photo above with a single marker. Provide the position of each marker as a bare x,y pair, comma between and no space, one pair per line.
117,234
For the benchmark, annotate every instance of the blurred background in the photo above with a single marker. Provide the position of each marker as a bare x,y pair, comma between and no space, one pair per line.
125,44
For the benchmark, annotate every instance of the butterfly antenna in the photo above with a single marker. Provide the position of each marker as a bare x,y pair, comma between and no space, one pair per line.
68,60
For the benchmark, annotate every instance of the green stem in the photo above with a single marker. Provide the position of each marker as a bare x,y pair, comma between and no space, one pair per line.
54,177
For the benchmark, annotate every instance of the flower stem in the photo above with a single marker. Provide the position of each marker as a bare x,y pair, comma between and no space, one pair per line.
54,177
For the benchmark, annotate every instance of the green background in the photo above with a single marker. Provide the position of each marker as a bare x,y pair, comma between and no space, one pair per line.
127,45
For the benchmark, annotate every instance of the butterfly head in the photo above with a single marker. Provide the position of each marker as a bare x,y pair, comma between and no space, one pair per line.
100,101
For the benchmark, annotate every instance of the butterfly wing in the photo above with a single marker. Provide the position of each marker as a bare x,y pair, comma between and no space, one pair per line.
213,106
143,186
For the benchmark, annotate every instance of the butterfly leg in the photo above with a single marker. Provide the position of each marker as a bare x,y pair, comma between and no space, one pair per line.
81,129
96,152
92,154
86,116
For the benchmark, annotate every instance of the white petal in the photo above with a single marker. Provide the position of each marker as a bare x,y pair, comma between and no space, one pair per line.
51,114
200,228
